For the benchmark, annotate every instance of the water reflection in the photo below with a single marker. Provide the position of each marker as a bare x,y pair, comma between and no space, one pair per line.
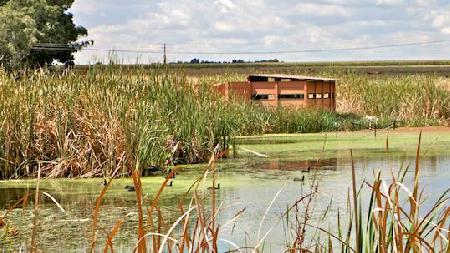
304,166
9,196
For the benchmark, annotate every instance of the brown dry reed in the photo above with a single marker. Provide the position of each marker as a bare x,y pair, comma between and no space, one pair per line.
87,124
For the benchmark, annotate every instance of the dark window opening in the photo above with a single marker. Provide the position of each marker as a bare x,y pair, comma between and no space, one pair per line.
291,96
260,96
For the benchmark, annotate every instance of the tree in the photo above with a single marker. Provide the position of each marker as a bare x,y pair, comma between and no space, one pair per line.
33,28
17,36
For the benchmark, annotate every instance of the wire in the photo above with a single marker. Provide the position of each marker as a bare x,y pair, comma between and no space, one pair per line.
65,47
62,47
316,50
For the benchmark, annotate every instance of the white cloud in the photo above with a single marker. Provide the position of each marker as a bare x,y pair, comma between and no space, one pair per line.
425,2
223,26
81,7
259,25
434,14
273,40
389,2
440,20
225,6
321,10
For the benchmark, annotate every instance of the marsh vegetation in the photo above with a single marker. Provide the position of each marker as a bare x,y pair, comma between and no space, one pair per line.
107,118
259,207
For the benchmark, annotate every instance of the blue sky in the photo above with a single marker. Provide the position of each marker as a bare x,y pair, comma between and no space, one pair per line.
264,25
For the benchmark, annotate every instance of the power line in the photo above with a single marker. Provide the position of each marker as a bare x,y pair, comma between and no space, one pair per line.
71,48
317,50
62,47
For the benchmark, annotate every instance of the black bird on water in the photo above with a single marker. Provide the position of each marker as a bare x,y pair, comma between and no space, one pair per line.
299,179
214,187
130,188
151,170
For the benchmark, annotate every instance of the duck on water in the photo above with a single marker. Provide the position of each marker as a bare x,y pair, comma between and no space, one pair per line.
131,188
214,187
170,175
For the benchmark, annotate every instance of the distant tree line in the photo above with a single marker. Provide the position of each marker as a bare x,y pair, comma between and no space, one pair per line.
34,33
198,61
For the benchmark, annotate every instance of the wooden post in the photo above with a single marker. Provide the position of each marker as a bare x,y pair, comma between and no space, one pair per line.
277,92
233,143
375,130
322,94
165,56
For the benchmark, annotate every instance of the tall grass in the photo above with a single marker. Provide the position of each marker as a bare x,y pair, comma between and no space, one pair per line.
415,99
85,125
89,124
392,227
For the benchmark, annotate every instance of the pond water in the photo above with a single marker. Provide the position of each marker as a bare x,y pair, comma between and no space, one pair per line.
248,182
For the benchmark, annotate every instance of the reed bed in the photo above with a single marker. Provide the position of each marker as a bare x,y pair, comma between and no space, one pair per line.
416,100
88,124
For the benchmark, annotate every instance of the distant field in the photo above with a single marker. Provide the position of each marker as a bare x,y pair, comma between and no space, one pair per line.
441,68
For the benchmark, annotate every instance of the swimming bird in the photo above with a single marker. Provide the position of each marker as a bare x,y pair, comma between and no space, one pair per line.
151,170
299,179
214,188
130,188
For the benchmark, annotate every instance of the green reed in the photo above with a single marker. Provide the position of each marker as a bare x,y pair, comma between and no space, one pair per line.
88,124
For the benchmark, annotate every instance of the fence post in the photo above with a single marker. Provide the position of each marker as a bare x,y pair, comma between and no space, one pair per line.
375,128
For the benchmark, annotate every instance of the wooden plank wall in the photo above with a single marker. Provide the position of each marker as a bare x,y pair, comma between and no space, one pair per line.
245,90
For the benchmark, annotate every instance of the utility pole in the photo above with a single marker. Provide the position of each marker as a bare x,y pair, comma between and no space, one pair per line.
165,56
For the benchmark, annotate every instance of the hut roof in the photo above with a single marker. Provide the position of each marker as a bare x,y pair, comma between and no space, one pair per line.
262,78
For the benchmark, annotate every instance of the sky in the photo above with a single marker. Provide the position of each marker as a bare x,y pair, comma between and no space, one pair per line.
188,27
